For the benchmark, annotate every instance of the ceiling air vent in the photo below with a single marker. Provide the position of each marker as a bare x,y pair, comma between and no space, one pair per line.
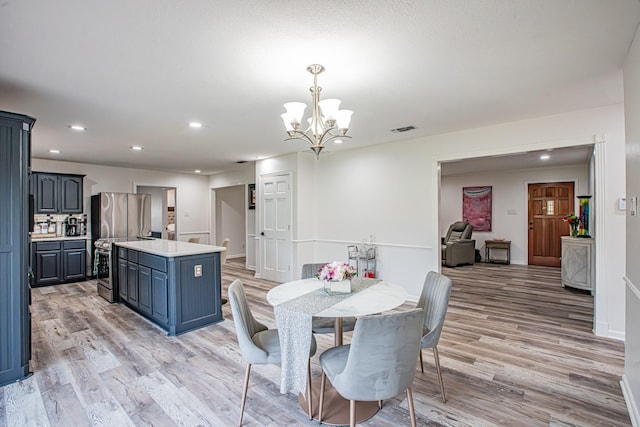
403,129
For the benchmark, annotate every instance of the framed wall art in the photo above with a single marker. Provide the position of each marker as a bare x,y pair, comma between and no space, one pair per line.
476,207
252,196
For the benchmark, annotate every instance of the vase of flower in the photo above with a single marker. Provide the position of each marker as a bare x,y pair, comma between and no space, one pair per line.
574,223
336,277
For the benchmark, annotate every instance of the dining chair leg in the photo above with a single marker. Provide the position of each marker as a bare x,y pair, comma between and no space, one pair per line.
309,399
244,392
322,383
412,411
421,365
435,354
379,404
352,413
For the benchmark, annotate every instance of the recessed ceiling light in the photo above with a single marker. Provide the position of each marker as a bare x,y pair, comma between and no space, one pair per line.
54,151
77,127
197,171
544,157
338,141
136,148
195,124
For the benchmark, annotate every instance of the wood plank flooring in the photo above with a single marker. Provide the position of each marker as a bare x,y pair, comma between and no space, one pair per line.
516,350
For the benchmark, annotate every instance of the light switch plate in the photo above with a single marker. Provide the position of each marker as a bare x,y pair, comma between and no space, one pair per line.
622,204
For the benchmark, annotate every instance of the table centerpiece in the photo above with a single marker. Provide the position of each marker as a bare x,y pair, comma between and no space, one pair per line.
336,277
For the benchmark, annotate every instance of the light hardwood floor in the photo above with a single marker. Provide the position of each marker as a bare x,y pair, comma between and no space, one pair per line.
516,350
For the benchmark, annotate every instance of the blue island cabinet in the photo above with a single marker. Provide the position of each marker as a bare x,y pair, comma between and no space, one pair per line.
179,293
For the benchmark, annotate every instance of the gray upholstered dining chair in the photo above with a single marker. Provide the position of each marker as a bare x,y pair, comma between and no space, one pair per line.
380,362
258,344
434,300
324,325
223,255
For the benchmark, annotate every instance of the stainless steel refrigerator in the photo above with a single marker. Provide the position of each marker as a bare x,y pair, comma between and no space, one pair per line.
120,215
115,217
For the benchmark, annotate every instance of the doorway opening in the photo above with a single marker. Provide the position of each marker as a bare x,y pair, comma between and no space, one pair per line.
163,210
229,219
510,174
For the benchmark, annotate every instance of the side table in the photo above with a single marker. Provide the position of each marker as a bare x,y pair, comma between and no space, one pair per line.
497,244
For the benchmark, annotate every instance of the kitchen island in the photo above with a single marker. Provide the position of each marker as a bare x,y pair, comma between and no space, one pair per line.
175,284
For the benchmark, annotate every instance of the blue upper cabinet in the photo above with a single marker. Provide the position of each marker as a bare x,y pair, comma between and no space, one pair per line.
57,193
46,193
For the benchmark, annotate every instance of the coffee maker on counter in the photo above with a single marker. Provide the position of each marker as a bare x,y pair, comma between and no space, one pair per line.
73,227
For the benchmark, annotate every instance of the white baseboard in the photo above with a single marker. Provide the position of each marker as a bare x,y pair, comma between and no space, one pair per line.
632,407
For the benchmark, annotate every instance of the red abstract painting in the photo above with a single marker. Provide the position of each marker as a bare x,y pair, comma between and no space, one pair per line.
476,207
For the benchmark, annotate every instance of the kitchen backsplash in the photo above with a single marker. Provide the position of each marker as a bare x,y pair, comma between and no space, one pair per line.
50,225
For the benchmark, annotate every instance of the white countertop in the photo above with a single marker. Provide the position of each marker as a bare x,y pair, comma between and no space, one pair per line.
35,238
170,248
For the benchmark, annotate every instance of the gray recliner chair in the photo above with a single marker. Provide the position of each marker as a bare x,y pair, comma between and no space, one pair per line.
457,246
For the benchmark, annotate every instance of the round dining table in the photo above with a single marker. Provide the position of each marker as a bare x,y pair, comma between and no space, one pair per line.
379,297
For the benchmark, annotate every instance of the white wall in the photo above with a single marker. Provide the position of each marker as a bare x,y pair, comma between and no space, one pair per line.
192,204
230,219
509,196
242,175
631,378
391,191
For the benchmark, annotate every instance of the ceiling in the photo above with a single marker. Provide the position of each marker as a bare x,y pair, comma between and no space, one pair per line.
570,156
137,72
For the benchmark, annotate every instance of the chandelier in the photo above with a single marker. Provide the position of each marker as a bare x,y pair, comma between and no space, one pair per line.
327,121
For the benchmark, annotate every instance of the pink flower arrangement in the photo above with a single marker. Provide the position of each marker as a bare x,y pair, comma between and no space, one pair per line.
335,271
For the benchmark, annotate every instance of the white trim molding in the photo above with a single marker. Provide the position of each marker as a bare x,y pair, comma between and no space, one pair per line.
632,287
600,311
351,242
632,407
190,233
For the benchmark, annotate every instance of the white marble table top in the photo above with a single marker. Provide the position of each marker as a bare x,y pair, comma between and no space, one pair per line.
170,248
380,297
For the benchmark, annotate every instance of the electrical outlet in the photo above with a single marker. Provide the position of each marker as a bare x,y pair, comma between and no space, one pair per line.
197,270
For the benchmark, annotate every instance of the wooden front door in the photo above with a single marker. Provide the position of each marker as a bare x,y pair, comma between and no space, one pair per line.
548,203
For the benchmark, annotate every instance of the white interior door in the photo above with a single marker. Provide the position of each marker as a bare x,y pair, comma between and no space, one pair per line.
276,234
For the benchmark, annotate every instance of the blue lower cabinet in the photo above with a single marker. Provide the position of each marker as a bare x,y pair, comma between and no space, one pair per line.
160,297
56,262
122,277
132,283
144,289
178,293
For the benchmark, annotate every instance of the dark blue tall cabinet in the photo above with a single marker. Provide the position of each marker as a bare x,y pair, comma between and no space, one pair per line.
15,319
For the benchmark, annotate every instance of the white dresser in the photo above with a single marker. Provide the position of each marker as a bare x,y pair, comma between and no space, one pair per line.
578,263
